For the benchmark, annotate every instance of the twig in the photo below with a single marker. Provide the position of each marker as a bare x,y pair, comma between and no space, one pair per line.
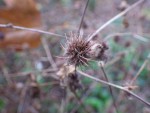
114,18
110,89
5,73
83,16
63,102
23,97
48,53
21,74
115,86
83,97
48,84
62,106
80,101
140,70
29,29
113,61
136,36
32,110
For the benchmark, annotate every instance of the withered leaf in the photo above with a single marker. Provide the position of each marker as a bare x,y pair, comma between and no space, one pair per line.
21,13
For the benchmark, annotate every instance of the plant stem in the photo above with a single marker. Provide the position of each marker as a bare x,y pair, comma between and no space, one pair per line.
29,29
115,86
114,18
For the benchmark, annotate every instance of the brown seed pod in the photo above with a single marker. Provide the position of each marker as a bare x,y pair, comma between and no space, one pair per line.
74,82
77,51
98,51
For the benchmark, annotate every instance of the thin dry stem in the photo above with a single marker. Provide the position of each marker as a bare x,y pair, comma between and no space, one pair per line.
48,53
62,104
8,79
114,18
110,89
29,29
85,94
61,110
80,102
83,16
115,86
22,74
23,96
139,72
134,35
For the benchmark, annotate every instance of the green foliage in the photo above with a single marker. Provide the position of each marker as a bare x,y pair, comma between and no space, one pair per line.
40,79
143,76
128,58
94,103
146,13
70,106
92,5
2,104
118,22
66,3
98,99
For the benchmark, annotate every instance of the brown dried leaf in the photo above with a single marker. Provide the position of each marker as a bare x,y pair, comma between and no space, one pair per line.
22,13
65,70
20,40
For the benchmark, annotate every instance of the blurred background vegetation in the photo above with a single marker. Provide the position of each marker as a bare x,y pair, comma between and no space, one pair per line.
26,85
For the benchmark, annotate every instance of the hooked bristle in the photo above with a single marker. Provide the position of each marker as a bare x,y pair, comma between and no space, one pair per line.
77,51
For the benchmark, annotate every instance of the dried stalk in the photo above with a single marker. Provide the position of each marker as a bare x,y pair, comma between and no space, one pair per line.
115,86
140,70
23,97
80,102
29,29
136,36
83,16
23,74
110,89
114,18
48,53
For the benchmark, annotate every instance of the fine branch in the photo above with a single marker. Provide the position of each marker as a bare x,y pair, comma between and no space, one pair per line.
29,29
115,18
115,86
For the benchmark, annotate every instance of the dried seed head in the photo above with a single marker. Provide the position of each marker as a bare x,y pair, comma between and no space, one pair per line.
98,51
74,82
65,71
77,51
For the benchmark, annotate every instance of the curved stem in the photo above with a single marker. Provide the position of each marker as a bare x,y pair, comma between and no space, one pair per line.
114,18
83,16
115,86
29,29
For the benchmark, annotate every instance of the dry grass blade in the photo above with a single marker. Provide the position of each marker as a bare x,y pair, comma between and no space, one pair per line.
115,86
29,29
114,18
